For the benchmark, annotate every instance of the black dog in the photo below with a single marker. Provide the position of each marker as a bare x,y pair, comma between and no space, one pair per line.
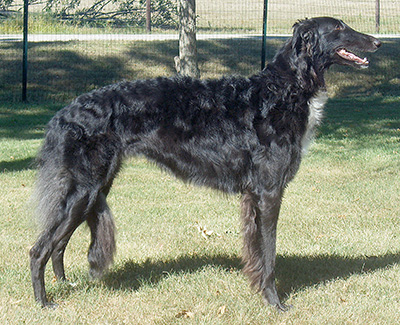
234,134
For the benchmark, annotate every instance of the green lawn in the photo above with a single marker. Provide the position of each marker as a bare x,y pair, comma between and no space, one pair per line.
179,246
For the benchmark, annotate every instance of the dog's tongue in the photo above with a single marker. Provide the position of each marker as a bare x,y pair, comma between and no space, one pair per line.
352,57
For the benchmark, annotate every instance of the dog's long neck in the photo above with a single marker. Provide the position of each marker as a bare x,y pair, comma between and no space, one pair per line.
304,68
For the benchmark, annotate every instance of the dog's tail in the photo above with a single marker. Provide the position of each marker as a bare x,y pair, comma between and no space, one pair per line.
102,247
51,189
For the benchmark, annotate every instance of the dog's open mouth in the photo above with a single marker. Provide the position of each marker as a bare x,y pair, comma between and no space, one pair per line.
347,55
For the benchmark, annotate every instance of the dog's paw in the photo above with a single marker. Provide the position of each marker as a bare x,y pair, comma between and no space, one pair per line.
50,305
283,308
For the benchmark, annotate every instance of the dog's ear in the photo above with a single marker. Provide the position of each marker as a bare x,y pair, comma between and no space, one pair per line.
304,36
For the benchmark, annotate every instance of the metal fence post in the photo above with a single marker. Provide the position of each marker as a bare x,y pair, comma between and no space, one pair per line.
264,37
25,52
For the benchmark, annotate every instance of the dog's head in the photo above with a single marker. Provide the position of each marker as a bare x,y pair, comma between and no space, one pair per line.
332,41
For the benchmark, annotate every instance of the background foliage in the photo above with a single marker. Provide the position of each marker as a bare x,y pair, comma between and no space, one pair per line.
116,13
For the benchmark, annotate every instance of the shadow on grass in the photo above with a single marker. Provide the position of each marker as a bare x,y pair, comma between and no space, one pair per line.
17,165
296,272
60,71
292,272
358,119
25,122
132,275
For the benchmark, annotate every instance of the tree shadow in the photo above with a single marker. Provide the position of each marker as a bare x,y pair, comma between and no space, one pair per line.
58,72
360,118
23,123
17,165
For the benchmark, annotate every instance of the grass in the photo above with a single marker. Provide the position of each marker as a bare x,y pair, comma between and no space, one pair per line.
179,246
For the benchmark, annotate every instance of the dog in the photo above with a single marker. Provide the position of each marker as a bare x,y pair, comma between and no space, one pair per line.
234,134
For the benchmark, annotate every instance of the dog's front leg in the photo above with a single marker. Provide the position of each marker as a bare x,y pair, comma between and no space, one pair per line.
260,217
268,218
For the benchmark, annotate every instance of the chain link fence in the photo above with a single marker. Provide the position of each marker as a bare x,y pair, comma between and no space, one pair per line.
369,16
77,45
122,16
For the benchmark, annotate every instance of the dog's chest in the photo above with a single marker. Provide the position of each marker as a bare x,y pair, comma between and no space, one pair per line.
315,105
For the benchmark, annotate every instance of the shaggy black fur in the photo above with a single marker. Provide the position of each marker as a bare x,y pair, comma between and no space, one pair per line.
233,134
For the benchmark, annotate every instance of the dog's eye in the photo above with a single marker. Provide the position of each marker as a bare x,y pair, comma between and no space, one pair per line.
339,27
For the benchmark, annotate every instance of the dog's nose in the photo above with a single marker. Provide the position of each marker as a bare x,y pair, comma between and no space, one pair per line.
377,43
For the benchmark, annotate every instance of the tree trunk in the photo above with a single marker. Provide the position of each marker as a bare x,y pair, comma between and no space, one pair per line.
186,63
377,15
148,16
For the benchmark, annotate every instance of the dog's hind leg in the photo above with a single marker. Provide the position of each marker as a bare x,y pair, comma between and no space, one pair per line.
260,217
99,211
55,236
57,257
